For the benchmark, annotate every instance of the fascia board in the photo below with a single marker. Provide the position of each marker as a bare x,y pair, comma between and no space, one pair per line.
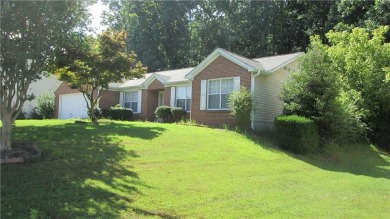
138,87
56,86
178,83
284,64
150,80
132,88
218,52
250,68
202,65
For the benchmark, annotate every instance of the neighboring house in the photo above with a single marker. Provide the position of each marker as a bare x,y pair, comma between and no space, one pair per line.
203,90
45,85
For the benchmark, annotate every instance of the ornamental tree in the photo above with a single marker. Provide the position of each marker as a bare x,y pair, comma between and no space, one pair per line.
96,62
30,33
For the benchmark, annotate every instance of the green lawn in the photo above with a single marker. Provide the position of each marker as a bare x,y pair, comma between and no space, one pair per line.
137,169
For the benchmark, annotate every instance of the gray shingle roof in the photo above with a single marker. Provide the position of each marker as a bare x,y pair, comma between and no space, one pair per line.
272,63
172,76
248,61
264,64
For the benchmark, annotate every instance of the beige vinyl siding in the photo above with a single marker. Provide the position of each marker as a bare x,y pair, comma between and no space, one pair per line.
267,96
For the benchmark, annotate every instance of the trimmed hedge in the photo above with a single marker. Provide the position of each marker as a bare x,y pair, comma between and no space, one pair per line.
106,113
121,113
296,133
163,113
169,114
178,112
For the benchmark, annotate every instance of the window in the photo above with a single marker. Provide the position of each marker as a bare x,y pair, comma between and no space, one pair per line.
218,93
183,98
161,98
131,100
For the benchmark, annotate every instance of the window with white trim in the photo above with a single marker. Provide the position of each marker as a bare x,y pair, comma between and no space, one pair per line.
218,93
131,100
183,98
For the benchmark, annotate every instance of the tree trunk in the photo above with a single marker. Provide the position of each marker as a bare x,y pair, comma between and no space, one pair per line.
6,133
92,111
92,114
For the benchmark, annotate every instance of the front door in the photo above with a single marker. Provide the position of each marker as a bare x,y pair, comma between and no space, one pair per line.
161,98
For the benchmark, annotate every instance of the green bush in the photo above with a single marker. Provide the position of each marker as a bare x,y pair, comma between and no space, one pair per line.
178,113
163,112
121,113
21,116
45,106
241,103
35,114
106,113
297,133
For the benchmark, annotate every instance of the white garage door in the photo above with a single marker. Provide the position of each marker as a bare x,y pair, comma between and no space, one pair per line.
72,106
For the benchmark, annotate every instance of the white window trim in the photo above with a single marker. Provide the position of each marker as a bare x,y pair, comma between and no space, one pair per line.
220,99
139,102
190,99
236,86
161,98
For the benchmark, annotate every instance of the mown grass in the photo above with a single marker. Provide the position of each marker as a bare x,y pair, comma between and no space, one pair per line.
137,169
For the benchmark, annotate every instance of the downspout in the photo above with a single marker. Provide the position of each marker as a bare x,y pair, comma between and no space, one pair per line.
192,97
253,95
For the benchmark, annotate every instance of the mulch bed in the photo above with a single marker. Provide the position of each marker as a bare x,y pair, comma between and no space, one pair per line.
21,152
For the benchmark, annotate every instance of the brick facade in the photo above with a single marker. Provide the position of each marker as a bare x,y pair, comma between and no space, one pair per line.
108,99
150,100
219,68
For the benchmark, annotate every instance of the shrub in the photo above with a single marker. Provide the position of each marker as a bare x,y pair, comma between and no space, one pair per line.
313,93
241,103
163,113
178,113
21,116
121,113
45,105
35,114
106,113
351,127
297,133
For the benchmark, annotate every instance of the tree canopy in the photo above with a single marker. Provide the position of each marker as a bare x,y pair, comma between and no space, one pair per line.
95,62
344,86
177,34
31,31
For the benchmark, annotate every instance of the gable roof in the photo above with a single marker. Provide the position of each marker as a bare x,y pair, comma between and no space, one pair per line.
134,83
250,65
168,77
265,65
273,63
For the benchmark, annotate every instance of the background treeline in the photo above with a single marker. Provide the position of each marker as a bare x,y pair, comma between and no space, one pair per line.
177,34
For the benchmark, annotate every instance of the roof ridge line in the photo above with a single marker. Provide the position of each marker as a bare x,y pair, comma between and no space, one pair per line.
238,55
276,55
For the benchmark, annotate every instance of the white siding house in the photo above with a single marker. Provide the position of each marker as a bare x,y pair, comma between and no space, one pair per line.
43,86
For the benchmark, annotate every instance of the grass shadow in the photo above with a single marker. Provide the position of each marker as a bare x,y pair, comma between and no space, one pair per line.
357,159
80,174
